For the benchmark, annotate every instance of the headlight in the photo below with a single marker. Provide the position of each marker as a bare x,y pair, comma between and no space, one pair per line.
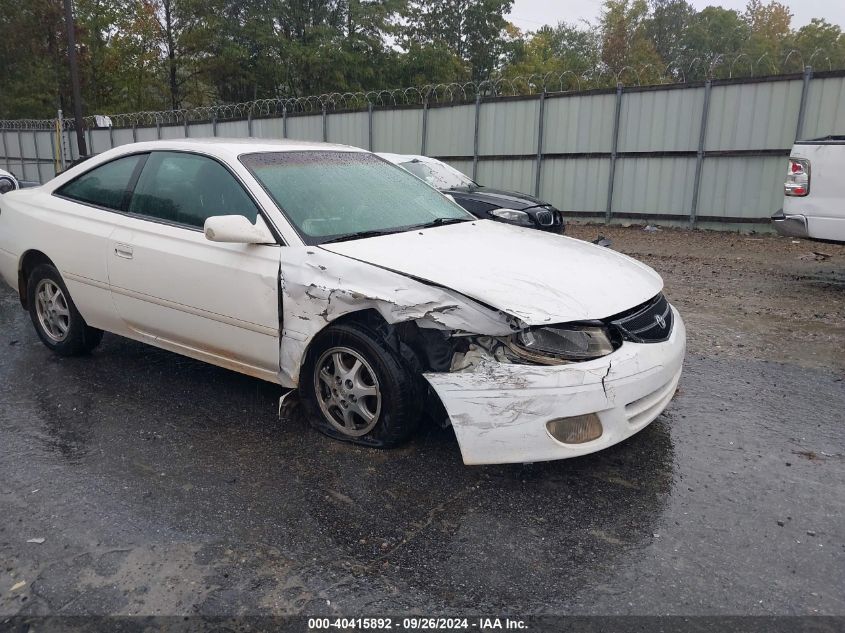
6,184
512,215
567,342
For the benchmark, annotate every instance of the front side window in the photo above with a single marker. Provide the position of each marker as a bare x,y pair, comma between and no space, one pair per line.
104,186
330,195
188,189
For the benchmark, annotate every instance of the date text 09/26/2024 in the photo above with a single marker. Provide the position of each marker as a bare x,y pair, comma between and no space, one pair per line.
417,623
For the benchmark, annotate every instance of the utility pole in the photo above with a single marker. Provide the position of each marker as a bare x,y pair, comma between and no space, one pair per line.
74,79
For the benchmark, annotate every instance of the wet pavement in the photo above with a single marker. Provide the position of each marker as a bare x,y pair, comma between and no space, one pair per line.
161,485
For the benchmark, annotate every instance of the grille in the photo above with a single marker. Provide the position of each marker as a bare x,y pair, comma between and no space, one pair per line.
648,323
545,218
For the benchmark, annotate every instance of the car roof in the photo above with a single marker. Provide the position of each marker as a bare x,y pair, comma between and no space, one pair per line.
225,149
234,147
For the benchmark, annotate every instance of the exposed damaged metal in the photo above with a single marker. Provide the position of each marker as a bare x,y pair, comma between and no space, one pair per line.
318,287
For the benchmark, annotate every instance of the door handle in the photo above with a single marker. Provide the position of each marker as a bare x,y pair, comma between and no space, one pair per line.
123,250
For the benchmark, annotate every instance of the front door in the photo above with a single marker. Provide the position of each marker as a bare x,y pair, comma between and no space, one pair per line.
174,288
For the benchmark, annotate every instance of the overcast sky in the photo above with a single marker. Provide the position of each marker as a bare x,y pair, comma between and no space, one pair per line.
532,14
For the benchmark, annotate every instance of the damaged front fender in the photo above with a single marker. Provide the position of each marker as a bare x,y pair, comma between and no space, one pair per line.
317,287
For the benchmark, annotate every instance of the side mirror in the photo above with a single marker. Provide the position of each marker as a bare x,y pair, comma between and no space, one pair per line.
238,230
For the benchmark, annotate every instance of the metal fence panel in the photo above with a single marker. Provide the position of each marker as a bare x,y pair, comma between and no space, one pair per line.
658,134
13,154
661,120
306,128
760,115
398,131
579,124
172,131
199,130
349,128
268,128
742,187
508,127
100,141
450,131
825,108
463,166
46,155
513,175
146,134
659,186
122,136
576,184
230,129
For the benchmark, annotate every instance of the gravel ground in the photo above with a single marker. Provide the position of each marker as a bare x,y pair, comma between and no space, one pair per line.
160,485
761,297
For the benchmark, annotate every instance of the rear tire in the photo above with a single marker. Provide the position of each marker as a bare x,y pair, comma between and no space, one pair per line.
356,388
54,315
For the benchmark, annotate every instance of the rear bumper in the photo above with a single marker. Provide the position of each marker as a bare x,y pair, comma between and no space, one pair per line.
790,225
499,411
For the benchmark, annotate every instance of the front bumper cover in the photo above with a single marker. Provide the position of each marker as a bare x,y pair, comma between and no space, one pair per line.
499,411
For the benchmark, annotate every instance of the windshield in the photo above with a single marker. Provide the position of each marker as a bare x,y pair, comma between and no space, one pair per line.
438,175
330,195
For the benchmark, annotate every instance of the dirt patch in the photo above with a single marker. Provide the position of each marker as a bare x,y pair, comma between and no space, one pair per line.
761,297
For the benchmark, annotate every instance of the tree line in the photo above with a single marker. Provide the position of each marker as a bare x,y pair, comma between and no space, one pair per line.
137,55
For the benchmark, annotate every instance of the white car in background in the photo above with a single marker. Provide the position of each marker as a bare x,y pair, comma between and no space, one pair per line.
326,269
814,191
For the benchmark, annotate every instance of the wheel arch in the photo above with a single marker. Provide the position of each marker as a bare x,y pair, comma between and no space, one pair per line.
28,262
367,317
404,337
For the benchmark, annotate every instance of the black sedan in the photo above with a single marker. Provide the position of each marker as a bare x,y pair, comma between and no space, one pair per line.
483,202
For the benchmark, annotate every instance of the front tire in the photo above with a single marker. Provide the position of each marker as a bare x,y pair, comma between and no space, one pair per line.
356,388
54,315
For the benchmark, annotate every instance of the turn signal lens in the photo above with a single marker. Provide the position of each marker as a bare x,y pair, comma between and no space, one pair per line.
575,430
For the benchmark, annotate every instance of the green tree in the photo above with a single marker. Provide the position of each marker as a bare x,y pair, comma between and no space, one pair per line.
565,51
822,44
713,31
473,30
33,58
626,45
667,27
770,38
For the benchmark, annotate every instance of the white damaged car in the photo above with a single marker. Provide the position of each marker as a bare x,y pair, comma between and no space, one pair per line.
325,269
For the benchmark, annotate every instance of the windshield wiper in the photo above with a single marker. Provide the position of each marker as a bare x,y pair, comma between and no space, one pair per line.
440,222
361,235
364,234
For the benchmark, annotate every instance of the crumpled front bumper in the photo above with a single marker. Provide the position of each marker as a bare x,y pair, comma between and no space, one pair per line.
499,411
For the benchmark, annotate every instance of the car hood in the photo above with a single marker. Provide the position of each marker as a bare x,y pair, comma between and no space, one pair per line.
537,277
498,197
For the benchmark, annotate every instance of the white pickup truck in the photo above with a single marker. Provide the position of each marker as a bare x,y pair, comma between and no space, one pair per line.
814,191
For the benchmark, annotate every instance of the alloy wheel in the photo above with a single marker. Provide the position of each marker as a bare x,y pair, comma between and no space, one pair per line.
52,310
347,391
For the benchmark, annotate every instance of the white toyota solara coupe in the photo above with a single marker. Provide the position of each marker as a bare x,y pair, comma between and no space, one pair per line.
325,268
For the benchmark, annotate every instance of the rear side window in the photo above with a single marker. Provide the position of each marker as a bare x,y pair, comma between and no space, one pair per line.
188,189
104,186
